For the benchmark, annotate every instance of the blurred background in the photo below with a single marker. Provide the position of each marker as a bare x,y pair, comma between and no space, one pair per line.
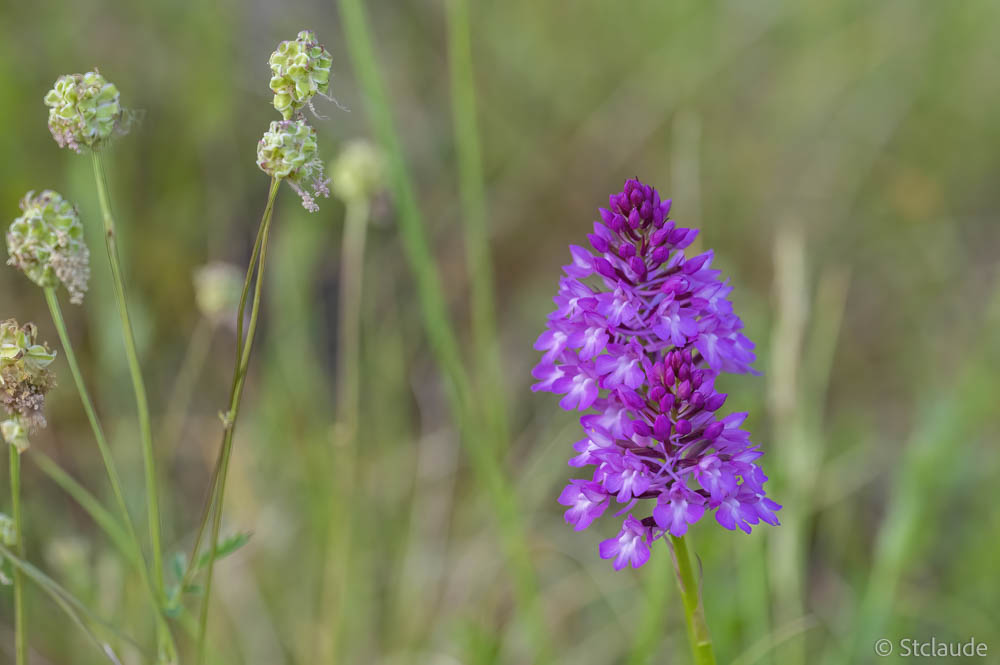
841,157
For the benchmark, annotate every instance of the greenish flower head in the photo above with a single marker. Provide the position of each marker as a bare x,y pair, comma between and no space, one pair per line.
83,110
24,374
300,70
217,290
288,152
358,172
46,243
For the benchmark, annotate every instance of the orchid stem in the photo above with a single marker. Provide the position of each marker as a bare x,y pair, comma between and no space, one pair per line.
694,610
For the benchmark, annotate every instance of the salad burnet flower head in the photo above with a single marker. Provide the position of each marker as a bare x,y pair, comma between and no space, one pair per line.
639,337
288,151
300,70
46,243
84,111
24,380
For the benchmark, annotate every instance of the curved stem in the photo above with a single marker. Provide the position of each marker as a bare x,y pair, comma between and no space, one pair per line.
138,386
240,322
694,611
236,396
20,627
163,630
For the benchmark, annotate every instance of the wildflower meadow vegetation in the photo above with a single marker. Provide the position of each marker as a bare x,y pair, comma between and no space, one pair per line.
492,333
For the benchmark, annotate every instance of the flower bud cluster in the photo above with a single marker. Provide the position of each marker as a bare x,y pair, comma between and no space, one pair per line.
24,380
300,70
46,243
84,110
640,333
288,151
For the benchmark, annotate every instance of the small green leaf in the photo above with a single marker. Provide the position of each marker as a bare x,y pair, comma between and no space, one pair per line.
225,547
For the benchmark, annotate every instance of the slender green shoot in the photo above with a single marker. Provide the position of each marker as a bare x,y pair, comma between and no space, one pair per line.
138,386
163,630
689,583
240,317
79,613
20,625
236,396
90,504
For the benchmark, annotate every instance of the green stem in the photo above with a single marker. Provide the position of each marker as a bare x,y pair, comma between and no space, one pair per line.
90,504
694,611
206,512
474,212
163,630
20,627
236,396
74,609
138,386
466,409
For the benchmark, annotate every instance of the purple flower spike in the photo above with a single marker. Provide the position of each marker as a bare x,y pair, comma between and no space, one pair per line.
638,338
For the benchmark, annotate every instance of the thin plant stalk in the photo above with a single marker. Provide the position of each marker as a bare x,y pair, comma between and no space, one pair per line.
240,320
78,613
90,504
444,344
20,627
138,386
689,582
474,212
163,630
236,396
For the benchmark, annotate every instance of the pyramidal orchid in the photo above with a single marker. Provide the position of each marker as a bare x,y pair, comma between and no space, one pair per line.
639,338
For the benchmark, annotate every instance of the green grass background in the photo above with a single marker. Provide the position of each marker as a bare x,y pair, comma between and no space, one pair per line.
841,158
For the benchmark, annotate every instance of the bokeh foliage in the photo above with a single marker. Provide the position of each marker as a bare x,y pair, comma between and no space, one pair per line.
840,156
